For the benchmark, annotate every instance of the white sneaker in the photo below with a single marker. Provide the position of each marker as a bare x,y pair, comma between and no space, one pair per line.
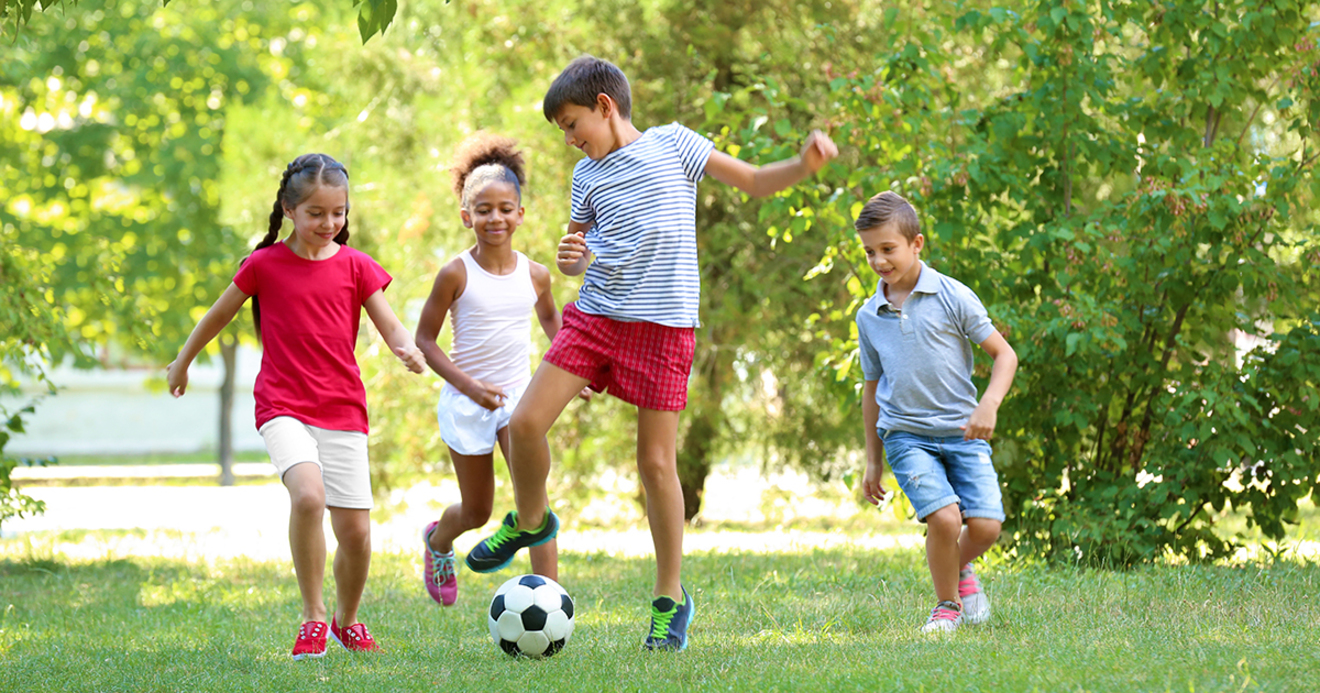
976,606
944,618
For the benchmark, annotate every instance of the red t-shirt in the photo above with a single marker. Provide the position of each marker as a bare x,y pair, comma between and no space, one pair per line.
310,312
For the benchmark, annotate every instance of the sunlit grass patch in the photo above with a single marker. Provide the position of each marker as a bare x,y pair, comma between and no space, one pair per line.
831,618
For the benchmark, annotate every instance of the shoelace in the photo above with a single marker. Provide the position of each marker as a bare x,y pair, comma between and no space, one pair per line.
660,621
945,613
968,586
501,536
443,564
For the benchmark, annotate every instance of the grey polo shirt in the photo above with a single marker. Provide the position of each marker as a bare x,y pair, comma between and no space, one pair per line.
921,355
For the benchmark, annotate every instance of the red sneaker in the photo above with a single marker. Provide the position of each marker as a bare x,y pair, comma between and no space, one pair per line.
354,638
311,640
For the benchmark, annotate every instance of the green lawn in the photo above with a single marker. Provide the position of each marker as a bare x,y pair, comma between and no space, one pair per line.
828,620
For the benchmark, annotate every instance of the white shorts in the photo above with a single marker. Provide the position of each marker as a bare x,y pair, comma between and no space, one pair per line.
341,455
469,428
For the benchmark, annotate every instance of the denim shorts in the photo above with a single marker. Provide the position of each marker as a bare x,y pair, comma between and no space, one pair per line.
938,471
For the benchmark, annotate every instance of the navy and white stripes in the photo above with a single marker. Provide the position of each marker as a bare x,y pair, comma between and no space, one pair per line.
641,203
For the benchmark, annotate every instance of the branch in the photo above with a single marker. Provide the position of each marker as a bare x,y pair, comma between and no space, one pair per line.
1188,521
1247,126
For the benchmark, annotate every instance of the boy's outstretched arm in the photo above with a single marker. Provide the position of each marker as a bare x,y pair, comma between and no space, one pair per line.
875,448
395,334
220,314
982,422
771,178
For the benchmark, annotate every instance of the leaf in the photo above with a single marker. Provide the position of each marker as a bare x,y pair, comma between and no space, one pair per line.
1071,342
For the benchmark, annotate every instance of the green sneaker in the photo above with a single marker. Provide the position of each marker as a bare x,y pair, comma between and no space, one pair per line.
669,623
497,550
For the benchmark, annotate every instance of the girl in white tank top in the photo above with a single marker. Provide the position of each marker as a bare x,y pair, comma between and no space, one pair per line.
491,291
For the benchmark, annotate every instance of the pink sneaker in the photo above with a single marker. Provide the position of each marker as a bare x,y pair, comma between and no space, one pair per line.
311,641
438,571
976,606
944,618
354,638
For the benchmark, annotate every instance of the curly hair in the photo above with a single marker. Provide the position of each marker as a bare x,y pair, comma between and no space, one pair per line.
486,158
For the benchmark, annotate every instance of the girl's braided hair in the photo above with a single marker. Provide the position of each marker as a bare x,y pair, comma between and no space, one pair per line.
301,178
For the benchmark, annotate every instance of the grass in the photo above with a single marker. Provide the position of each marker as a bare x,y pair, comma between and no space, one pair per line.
842,619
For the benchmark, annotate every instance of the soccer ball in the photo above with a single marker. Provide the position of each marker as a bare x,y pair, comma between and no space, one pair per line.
530,615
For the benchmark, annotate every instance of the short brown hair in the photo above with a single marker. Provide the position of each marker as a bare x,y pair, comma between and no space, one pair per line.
580,83
889,208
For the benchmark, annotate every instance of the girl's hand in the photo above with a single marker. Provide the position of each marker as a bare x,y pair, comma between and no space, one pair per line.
981,425
818,150
176,375
872,491
491,397
586,394
572,248
412,357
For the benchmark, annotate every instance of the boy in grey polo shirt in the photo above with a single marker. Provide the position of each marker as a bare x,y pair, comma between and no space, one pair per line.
920,405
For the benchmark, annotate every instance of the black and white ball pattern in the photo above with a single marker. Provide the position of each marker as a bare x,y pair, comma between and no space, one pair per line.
531,615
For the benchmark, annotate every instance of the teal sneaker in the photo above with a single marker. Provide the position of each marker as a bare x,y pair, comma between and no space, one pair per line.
497,550
669,623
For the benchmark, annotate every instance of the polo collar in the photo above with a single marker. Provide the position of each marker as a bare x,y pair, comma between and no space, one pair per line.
928,282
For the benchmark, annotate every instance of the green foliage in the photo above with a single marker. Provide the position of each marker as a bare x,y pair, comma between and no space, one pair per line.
32,330
112,165
374,16
1129,191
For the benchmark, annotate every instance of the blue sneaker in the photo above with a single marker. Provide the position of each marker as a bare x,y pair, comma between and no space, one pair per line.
497,550
669,623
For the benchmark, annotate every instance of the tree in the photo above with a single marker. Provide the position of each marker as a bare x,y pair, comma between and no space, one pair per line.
112,171
31,330
373,16
1136,193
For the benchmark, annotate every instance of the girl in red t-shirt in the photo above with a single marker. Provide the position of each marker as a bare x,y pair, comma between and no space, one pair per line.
310,403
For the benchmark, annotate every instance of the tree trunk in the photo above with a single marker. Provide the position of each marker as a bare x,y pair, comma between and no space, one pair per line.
228,353
694,461
694,455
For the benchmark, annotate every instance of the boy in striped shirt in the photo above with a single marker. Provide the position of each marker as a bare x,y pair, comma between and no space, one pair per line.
632,330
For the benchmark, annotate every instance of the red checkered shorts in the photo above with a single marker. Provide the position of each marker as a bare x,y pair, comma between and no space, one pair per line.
641,363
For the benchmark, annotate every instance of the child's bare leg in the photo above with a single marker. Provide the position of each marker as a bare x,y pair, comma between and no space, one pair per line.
942,529
307,536
545,558
550,390
657,465
977,537
476,484
352,527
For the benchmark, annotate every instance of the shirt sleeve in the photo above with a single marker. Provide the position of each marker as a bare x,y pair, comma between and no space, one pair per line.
371,277
247,277
973,319
872,368
693,151
579,210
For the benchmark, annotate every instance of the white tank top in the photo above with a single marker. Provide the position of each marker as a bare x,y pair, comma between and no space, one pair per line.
492,333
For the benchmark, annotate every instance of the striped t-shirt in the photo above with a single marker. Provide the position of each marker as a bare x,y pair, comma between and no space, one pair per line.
641,204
